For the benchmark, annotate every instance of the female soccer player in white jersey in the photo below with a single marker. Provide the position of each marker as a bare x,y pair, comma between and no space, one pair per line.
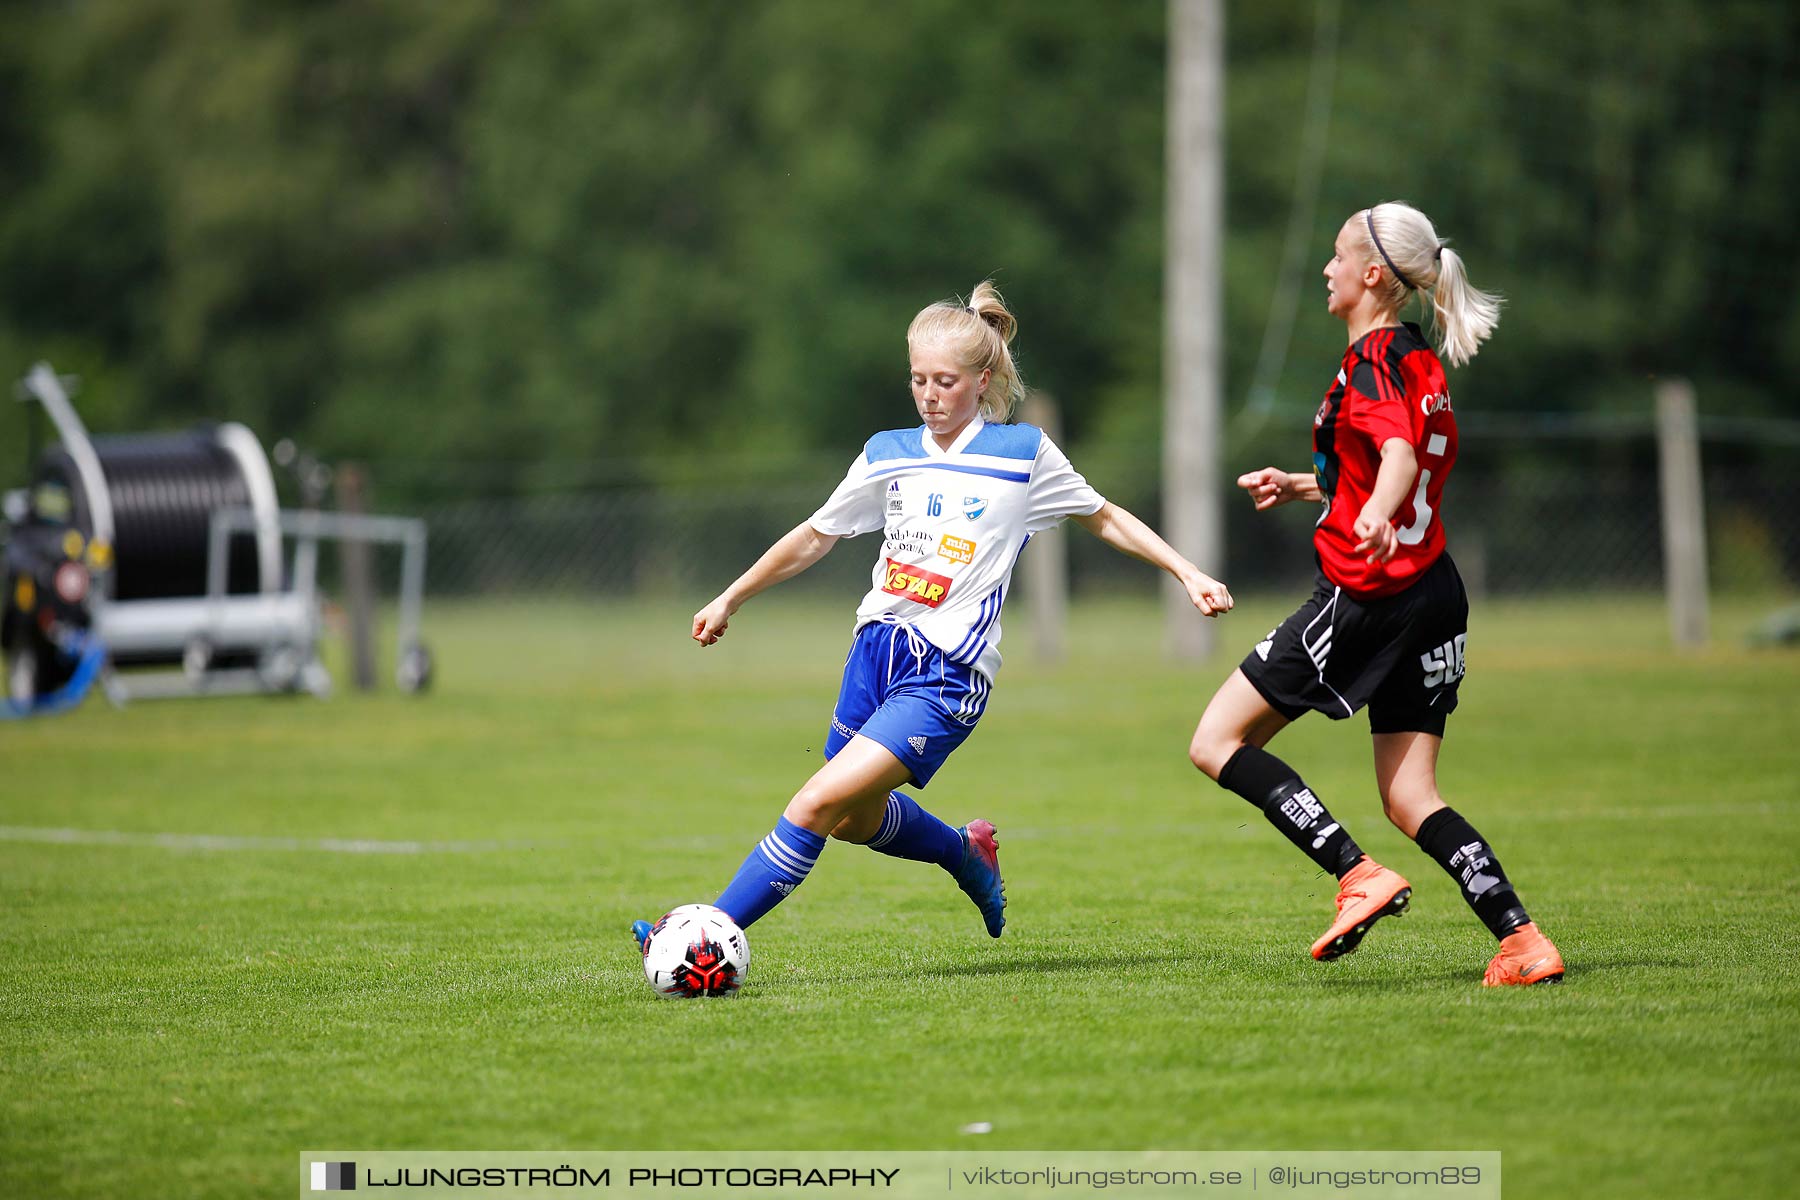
956,498
1388,619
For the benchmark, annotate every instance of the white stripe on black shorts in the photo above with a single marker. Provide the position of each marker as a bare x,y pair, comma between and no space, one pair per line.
1402,656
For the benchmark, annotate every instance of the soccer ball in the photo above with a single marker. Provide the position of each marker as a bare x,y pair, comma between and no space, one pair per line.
696,950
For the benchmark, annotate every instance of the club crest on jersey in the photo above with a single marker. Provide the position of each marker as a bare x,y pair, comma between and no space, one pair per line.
974,506
916,584
956,549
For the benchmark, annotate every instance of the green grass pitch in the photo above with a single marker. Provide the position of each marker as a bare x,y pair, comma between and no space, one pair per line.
183,1021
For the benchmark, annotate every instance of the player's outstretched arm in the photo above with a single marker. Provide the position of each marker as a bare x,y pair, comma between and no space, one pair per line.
1375,524
797,550
1271,486
1125,533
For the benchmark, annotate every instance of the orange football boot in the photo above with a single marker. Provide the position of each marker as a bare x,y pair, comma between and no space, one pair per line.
1526,957
1368,893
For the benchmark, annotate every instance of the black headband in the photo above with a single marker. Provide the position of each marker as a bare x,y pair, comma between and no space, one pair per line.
1369,216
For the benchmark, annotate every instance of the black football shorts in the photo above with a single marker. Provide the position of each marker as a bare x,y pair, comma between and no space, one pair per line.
1400,655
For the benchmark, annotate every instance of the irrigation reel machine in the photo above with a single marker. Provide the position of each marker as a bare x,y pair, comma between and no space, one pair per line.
153,565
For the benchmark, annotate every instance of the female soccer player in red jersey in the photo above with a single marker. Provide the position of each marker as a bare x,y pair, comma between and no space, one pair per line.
1388,619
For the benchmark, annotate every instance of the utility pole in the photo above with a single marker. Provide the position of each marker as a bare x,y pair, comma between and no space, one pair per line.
1192,357
355,560
1683,512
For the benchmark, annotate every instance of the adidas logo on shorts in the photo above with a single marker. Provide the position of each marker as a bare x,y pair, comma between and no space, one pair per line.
917,743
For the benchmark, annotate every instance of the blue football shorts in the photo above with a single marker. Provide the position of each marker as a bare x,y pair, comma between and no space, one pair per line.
905,693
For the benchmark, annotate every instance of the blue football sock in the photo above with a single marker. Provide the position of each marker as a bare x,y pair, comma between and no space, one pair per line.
777,866
908,831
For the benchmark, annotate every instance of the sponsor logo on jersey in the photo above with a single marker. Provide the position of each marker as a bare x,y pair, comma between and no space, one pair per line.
916,584
901,540
917,743
1435,403
956,549
896,503
974,506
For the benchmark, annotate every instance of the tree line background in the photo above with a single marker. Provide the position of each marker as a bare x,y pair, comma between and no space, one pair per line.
552,243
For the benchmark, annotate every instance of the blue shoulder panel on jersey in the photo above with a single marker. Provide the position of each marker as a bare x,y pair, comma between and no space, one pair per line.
1006,441
896,443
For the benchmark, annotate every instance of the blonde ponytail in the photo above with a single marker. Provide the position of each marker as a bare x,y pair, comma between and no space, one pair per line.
1402,239
1463,314
979,334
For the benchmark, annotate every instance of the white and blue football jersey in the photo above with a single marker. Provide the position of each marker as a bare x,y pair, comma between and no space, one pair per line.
954,523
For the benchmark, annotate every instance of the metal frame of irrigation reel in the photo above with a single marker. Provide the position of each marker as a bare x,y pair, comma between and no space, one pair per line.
154,562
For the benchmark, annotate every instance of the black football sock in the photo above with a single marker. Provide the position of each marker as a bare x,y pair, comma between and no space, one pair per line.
1454,845
1272,786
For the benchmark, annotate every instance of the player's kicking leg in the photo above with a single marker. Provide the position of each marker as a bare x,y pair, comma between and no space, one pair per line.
856,778
905,829
1228,746
930,708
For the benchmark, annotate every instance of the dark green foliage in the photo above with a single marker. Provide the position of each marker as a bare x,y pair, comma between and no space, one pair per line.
515,234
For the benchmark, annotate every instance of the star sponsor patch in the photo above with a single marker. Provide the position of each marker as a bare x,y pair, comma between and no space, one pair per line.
916,584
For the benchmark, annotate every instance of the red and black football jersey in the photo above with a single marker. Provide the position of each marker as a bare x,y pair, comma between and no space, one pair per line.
1390,385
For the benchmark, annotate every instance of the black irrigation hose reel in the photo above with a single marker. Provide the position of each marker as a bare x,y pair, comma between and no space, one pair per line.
138,552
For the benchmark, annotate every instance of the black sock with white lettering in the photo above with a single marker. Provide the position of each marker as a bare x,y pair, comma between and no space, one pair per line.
1466,857
1272,786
